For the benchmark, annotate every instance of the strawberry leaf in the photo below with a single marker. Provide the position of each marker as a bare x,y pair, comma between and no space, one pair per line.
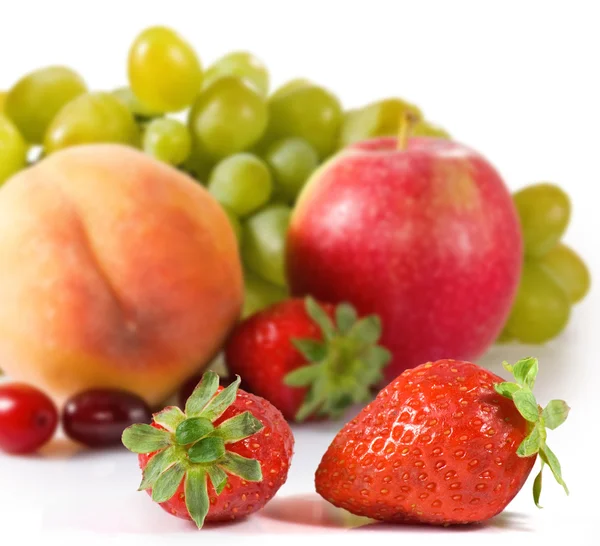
207,450
217,406
157,465
193,429
310,349
336,405
525,372
537,486
318,314
376,357
143,438
366,330
551,460
237,428
169,418
345,317
247,469
555,413
196,495
202,394
312,402
218,478
531,444
304,376
526,404
506,389
167,483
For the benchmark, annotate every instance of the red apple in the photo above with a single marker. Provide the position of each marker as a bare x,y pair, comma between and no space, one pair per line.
427,237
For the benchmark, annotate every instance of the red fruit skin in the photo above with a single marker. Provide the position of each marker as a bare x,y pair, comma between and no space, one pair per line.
273,447
428,238
28,418
260,351
438,445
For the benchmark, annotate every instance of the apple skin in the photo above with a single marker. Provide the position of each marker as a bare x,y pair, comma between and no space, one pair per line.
426,237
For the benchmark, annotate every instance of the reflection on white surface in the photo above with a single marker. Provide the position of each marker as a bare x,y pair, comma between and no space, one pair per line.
311,510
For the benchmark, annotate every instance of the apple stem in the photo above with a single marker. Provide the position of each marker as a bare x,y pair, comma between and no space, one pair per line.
407,122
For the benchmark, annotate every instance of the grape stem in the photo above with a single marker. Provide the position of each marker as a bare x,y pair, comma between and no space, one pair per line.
405,128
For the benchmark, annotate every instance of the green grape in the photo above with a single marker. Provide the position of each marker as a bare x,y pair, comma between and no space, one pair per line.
505,337
544,211
567,268
291,85
228,117
198,164
278,198
92,117
13,149
541,308
168,140
37,97
242,182
243,65
292,160
3,95
235,224
259,294
165,73
426,129
308,112
139,111
381,118
277,195
264,243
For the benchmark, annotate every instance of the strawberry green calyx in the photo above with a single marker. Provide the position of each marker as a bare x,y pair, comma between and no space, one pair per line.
191,449
344,366
539,419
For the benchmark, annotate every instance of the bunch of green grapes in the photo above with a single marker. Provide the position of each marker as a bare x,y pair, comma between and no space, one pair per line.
554,277
254,149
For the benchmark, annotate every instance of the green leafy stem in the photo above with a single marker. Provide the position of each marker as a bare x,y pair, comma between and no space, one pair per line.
341,368
539,419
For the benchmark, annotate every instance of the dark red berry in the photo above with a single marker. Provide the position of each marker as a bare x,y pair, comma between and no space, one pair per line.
98,417
28,418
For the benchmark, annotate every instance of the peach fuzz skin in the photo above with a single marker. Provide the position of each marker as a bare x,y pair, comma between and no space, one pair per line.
118,271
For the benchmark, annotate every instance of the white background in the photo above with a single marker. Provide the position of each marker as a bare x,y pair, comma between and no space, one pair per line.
516,80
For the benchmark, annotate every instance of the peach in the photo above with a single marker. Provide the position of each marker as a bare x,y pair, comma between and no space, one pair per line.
117,271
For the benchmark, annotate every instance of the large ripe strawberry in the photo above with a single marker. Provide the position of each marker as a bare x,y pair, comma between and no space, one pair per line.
446,442
308,359
222,459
